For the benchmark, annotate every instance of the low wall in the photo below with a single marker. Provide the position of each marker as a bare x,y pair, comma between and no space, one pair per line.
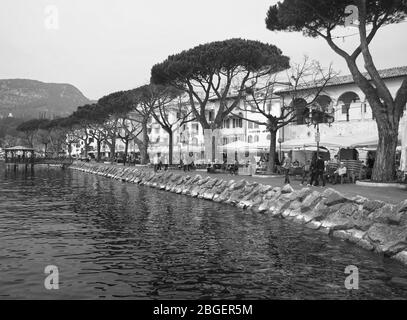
370,224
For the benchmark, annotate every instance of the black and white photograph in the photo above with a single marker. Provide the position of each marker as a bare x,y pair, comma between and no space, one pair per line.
217,153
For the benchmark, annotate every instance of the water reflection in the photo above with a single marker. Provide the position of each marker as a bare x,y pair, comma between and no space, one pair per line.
112,239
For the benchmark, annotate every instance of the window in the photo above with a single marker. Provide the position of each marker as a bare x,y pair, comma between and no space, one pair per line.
249,139
240,123
256,126
195,127
256,138
224,140
250,125
269,137
234,123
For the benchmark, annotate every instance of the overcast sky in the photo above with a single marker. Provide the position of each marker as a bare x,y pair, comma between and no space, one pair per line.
103,46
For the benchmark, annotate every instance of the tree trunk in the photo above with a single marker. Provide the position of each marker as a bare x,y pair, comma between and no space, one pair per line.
70,149
143,154
170,146
144,149
113,149
272,152
126,148
99,146
385,163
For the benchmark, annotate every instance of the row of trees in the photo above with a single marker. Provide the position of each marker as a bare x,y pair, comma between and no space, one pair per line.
230,72
237,70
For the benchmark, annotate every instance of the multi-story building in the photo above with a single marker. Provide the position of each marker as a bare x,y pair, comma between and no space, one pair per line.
352,113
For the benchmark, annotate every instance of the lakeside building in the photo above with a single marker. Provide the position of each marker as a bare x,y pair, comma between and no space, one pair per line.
353,118
353,124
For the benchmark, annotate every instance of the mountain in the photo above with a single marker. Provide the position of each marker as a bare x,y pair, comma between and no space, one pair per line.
31,98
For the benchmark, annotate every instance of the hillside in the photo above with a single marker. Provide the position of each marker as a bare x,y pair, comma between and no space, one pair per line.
30,98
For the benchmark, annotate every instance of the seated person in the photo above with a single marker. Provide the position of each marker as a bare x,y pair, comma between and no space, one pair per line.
339,173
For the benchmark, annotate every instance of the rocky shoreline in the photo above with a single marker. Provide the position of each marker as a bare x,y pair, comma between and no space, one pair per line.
371,224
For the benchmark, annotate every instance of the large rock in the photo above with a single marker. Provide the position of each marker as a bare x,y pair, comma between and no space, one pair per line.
319,212
389,239
310,201
264,206
388,214
347,216
287,189
224,196
334,197
277,207
237,185
373,205
401,256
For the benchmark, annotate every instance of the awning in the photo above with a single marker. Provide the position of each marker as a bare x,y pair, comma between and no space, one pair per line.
353,141
328,142
240,146
369,141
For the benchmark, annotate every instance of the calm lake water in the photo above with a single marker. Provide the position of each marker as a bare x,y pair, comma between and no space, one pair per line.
117,240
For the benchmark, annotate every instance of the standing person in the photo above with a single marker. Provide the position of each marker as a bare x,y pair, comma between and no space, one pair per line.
313,170
165,163
370,164
235,167
286,166
191,162
320,170
155,163
186,163
160,163
306,171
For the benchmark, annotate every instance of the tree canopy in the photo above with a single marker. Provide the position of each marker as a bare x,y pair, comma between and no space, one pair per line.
216,69
208,59
315,16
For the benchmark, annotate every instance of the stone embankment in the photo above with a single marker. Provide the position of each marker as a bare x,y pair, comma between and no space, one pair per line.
370,224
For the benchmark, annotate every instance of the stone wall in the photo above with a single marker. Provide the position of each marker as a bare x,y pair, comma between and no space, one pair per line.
370,224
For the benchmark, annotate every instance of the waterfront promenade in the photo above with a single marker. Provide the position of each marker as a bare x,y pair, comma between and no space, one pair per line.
390,194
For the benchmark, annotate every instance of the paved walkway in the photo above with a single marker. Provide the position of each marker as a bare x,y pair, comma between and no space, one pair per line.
390,194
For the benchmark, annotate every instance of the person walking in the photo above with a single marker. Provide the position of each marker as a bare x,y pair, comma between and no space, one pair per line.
286,166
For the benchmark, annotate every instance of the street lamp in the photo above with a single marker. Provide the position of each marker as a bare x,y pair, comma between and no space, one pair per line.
280,141
318,116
